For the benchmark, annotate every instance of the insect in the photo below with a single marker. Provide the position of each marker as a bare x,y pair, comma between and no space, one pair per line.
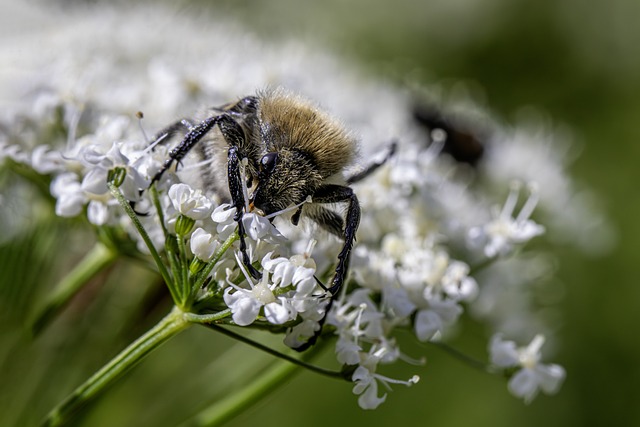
293,151
465,141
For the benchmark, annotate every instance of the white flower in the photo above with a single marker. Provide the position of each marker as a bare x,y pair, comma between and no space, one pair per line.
203,244
260,228
99,165
311,310
397,302
347,350
45,160
245,304
224,216
439,314
365,319
297,270
13,152
367,387
189,202
533,375
366,379
98,213
500,234
70,198
457,284
301,333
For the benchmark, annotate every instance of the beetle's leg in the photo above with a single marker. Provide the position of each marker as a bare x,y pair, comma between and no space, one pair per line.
373,166
234,136
237,201
331,193
178,127
190,139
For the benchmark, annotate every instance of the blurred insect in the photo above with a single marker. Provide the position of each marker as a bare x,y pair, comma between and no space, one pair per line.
293,151
465,141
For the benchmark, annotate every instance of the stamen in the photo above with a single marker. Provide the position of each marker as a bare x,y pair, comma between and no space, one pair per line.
386,381
243,177
152,145
244,271
73,128
438,138
536,344
512,199
529,205
410,360
199,164
140,116
309,250
356,325
289,209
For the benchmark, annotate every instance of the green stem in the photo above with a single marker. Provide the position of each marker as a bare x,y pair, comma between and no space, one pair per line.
207,318
487,262
173,323
279,372
237,402
202,275
100,257
283,356
474,363
183,266
174,264
156,202
474,269
115,191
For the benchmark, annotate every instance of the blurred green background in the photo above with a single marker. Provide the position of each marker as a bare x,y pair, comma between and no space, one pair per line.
577,60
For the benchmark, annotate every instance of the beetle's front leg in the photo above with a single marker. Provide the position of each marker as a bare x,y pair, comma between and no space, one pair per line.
331,193
237,201
190,139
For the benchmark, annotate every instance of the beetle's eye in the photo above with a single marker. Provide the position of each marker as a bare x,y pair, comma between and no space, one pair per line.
268,161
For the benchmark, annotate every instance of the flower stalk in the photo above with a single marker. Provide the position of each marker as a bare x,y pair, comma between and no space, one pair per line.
277,374
99,257
168,327
233,404
124,203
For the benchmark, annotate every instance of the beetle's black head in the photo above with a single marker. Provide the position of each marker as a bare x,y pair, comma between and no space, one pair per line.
285,178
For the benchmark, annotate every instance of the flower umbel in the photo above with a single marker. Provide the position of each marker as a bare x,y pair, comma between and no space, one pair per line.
530,375
428,249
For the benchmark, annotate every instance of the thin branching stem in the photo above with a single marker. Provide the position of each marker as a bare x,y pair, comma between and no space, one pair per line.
115,191
207,318
466,359
156,203
475,269
271,378
202,275
183,266
269,350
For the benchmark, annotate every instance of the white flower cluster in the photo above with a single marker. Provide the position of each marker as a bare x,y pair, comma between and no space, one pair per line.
287,288
427,227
